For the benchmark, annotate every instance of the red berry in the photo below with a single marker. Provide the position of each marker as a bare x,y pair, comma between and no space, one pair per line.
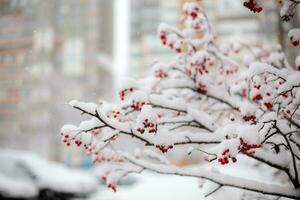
103,178
294,42
194,14
257,97
268,105
253,6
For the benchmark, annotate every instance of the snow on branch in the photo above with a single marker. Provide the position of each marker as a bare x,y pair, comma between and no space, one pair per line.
219,178
204,100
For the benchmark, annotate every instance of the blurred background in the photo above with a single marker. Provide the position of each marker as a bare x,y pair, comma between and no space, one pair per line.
53,51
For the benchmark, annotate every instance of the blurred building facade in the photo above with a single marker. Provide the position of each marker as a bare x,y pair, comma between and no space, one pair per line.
50,52
145,45
229,18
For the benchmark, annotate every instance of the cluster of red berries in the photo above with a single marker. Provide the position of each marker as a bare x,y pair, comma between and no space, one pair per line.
78,143
152,128
116,114
97,159
164,148
140,130
294,41
109,185
160,74
201,67
112,186
163,37
89,148
201,88
193,13
228,71
243,148
231,71
178,50
268,105
257,86
253,6
248,148
248,118
100,157
66,139
257,97
124,92
164,40
225,157
137,105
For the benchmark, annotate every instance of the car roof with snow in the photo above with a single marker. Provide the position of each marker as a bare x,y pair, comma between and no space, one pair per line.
50,174
16,188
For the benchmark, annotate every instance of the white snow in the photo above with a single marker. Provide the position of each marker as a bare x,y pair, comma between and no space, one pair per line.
90,124
17,188
87,107
51,175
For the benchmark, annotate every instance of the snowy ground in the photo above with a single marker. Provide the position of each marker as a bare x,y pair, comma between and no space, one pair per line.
151,186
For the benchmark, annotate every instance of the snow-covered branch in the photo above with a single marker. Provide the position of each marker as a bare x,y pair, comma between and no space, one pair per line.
217,177
203,100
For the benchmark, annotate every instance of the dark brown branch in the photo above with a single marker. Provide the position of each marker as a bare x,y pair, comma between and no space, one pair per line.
161,170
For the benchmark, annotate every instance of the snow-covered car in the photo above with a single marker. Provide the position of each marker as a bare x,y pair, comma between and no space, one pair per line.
11,188
54,180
